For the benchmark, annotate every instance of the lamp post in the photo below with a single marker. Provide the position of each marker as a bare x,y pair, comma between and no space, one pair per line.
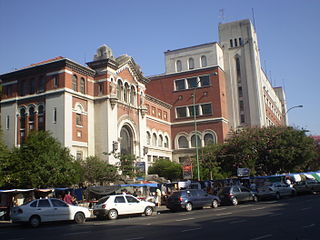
297,106
195,130
285,114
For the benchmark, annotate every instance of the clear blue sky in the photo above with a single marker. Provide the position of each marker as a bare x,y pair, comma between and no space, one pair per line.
288,32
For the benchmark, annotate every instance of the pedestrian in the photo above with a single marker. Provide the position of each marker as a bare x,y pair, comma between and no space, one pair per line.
68,198
158,197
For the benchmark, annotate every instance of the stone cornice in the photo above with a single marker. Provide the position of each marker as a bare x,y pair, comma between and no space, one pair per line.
157,101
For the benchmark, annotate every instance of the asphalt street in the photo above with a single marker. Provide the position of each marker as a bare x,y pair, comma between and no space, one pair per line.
290,218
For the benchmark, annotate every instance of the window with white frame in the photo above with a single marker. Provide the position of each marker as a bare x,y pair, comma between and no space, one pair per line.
181,112
160,142
206,109
154,139
192,82
191,63
209,138
188,111
79,156
195,141
183,142
203,61
166,142
179,66
148,138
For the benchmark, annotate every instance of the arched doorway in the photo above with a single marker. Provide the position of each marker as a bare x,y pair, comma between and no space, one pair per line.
126,143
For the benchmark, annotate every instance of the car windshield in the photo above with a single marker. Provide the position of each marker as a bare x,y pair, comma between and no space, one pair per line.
102,200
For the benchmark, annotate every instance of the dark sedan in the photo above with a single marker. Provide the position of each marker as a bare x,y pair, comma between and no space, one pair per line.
191,198
236,194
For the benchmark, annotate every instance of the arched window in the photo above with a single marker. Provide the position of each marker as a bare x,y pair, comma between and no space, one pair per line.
31,118
119,88
183,142
160,143
148,138
166,142
191,63
125,92
132,96
83,85
179,66
209,138
74,83
22,124
154,139
195,141
203,61
126,143
41,123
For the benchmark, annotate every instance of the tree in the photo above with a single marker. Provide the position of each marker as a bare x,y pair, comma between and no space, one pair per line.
209,163
41,162
268,150
126,164
97,170
167,169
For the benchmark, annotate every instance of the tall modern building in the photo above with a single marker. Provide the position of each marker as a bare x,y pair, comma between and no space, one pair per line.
109,106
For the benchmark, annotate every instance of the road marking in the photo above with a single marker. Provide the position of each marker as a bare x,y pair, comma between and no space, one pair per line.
259,208
219,209
262,237
75,233
192,229
308,226
307,208
185,219
223,214
238,221
136,238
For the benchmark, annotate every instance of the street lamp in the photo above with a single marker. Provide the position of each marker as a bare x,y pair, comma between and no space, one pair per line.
286,113
195,130
297,106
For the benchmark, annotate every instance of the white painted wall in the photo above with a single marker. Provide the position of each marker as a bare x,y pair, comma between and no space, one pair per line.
9,135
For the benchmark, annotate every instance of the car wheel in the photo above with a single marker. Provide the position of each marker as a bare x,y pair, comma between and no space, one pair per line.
113,214
214,204
278,196
234,201
79,218
255,198
34,221
148,211
189,207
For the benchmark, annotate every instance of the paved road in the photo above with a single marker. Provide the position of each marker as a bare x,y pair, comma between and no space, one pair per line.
291,218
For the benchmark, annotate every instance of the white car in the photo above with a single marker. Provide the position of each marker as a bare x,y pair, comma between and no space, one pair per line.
275,190
114,205
48,210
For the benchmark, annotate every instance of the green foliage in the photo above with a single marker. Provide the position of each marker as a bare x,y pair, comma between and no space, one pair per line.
97,170
127,164
167,169
209,163
40,162
269,150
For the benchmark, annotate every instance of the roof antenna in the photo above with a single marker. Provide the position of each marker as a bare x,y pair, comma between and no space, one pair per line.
221,15
253,19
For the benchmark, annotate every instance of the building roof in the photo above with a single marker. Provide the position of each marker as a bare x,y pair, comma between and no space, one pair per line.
200,45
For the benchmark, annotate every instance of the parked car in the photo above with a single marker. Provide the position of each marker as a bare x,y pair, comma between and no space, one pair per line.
236,194
275,190
191,198
121,204
48,210
307,186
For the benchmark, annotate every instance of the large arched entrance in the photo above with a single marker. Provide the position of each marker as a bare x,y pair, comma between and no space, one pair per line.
126,143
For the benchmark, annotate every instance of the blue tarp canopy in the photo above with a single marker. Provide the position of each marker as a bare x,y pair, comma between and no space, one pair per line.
140,185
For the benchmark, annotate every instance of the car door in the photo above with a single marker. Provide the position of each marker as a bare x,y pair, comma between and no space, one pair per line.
207,198
121,205
237,193
246,194
45,210
61,210
134,205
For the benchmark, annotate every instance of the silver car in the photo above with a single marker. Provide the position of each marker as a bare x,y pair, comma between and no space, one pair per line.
275,190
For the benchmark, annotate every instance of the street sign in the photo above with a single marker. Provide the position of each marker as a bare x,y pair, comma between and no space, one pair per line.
243,172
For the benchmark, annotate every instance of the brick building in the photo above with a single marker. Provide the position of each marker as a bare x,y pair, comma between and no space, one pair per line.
108,106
